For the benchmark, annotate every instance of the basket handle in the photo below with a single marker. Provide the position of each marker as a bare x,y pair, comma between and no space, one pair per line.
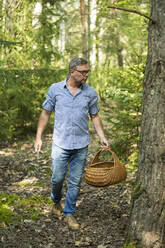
96,157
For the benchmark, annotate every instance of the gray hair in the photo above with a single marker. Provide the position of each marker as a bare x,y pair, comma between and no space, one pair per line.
76,62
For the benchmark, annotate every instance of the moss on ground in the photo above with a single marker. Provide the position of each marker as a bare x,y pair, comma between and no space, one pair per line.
130,244
6,202
21,208
6,214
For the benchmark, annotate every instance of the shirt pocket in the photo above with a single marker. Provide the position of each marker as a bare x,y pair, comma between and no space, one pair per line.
63,103
83,102
82,108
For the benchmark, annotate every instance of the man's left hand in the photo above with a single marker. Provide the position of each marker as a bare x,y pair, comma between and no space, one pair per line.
105,143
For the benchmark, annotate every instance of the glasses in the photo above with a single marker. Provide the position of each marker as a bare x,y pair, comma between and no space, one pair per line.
83,72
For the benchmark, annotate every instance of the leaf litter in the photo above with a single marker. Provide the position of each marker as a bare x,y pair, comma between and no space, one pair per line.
25,206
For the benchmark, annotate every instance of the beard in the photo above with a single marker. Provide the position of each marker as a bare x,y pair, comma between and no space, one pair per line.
83,80
78,81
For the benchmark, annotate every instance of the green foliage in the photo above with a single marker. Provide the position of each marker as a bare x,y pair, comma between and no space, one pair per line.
22,93
29,39
6,214
121,92
29,34
133,159
6,201
124,35
48,38
129,244
30,207
8,43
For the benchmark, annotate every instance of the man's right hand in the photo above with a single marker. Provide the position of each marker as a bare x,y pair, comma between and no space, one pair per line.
43,120
38,145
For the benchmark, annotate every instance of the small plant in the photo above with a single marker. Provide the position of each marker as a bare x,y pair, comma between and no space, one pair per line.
6,212
130,244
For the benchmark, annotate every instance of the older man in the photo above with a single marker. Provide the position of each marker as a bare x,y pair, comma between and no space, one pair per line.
73,102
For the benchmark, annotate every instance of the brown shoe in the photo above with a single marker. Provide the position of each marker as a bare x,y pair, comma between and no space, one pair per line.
58,208
71,221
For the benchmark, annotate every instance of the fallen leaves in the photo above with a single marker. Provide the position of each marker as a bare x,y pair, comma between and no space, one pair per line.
101,213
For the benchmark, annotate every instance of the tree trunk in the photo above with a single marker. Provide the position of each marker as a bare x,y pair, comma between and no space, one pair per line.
89,30
9,9
93,15
119,51
147,220
83,23
120,57
96,40
117,41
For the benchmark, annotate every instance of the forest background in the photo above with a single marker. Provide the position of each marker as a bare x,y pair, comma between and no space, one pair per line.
38,38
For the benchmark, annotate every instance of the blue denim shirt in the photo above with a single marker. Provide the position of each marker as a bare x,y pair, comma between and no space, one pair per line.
71,114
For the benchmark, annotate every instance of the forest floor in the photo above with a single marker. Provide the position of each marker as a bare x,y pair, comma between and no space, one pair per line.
26,220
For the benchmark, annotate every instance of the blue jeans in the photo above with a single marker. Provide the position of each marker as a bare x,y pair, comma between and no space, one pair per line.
60,159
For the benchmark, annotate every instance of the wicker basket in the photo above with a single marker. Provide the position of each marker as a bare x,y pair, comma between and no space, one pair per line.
102,174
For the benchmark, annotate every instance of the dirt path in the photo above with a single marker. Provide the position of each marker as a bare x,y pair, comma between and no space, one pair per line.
26,220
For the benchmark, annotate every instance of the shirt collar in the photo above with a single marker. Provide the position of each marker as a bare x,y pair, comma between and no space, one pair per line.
65,85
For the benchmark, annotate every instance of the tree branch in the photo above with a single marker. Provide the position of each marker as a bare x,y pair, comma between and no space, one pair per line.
134,11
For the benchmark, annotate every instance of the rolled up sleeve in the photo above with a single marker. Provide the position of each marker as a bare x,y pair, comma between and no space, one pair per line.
94,106
49,103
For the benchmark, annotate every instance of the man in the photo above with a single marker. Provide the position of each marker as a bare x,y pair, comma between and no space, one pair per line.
73,101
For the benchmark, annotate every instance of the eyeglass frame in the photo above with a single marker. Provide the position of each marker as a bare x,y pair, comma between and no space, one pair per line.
83,72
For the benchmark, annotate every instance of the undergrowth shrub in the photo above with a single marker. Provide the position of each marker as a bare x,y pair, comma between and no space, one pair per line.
120,91
21,96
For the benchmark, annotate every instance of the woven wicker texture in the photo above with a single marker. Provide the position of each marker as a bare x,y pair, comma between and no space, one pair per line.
102,174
